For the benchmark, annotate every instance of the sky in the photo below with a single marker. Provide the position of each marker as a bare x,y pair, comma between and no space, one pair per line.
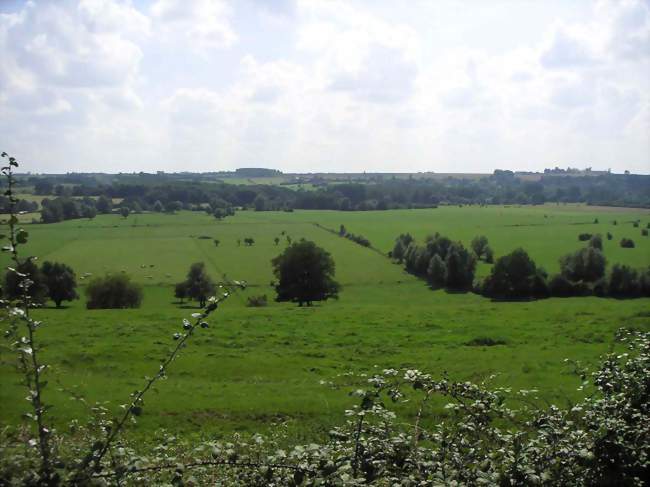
325,85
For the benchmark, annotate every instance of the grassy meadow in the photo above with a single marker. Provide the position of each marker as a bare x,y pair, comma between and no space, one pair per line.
257,366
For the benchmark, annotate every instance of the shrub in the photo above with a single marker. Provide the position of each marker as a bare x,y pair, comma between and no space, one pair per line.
515,276
627,243
587,264
644,232
257,301
623,282
596,242
609,236
583,237
561,287
436,271
113,291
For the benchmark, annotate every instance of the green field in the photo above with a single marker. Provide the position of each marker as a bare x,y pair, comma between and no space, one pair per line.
257,366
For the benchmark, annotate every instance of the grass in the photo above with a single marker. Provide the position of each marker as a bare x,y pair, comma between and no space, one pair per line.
258,366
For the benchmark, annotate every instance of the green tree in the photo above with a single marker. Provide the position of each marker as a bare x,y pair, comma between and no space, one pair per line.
158,207
180,290
596,242
305,273
113,291
260,203
37,289
60,281
436,271
480,246
199,284
104,205
460,266
514,276
587,264
623,282
124,211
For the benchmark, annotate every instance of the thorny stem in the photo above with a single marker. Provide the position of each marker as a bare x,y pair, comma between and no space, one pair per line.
416,428
33,376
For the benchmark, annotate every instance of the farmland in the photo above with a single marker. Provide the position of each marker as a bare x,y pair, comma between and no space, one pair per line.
256,366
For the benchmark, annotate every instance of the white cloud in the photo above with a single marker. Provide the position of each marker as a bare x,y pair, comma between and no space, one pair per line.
202,23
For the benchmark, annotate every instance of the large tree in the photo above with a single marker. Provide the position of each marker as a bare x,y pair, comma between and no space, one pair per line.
305,273
199,284
61,282
515,276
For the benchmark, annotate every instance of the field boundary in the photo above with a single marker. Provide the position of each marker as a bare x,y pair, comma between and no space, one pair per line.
331,230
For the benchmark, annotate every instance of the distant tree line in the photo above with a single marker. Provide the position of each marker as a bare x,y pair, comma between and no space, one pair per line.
447,264
169,193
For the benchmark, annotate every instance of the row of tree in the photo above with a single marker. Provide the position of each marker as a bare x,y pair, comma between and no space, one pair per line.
359,239
447,264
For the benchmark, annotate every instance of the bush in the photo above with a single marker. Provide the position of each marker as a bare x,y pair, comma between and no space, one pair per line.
515,276
257,301
609,236
587,264
623,282
644,232
113,291
583,237
596,242
561,287
627,243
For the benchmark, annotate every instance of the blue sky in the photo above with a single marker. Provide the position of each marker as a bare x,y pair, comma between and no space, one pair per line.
325,85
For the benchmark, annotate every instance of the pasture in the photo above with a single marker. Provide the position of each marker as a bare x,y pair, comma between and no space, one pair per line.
257,366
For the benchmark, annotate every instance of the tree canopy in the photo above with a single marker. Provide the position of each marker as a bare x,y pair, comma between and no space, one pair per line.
61,282
305,273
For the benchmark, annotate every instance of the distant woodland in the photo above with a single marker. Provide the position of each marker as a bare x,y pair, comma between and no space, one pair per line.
83,195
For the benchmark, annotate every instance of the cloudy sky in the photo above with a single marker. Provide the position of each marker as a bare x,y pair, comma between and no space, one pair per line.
311,85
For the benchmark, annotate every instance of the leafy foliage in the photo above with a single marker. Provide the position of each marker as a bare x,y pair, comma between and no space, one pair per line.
515,276
113,291
61,282
305,273
198,285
